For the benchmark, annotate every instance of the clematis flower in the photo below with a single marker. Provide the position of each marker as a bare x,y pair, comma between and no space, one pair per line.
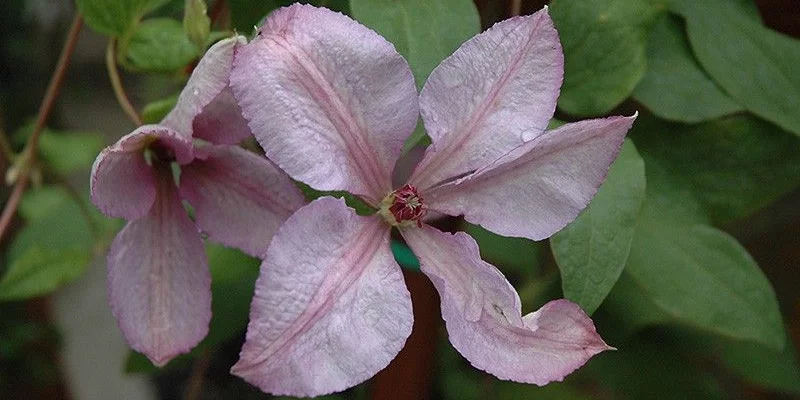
332,102
158,278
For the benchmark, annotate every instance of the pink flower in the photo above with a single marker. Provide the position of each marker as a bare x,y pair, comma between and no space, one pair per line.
158,277
332,103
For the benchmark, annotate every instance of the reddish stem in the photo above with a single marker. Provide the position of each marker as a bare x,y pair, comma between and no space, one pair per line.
45,108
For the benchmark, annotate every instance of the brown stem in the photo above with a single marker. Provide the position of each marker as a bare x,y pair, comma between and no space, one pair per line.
516,7
116,84
12,204
216,11
44,112
195,383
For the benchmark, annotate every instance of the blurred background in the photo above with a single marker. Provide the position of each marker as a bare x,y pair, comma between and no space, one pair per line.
58,339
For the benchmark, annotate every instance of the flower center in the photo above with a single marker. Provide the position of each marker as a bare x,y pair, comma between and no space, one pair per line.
403,207
156,152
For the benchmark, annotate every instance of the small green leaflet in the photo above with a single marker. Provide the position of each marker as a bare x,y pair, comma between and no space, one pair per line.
115,17
160,45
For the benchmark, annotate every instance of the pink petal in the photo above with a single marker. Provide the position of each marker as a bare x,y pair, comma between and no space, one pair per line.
540,187
208,80
240,199
330,309
498,90
122,183
221,121
482,314
330,100
159,285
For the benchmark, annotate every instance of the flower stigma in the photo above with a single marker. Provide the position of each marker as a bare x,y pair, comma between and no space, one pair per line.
403,207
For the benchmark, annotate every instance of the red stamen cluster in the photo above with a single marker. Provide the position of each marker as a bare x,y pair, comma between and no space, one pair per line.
407,205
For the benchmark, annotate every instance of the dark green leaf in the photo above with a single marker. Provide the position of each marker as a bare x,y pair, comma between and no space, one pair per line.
592,250
245,14
675,87
650,367
755,65
604,50
703,278
160,45
233,277
68,152
630,310
735,165
773,369
115,17
157,110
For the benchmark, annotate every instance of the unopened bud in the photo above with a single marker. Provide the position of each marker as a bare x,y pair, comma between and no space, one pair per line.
196,23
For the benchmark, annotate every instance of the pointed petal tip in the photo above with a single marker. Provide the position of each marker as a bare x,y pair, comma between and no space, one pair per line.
160,361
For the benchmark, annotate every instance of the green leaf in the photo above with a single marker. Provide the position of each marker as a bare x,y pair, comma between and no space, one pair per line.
755,65
705,279
777,370
68,152
115,17
53,248
650,367
735,166
425,32
629,309
160,45
674,86
604,50
157,110
40,270
592,250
